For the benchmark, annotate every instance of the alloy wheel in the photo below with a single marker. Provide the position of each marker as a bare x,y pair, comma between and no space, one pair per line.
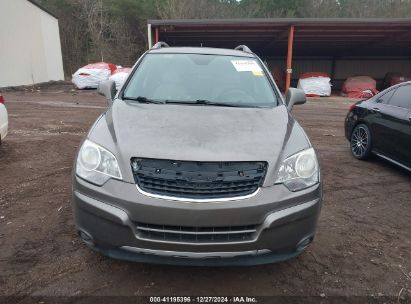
359,142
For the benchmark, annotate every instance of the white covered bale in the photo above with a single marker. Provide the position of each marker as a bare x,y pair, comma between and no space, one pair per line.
91,75
315,84
120,76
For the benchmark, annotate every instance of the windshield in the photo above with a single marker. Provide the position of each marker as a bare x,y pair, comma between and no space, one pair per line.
193,77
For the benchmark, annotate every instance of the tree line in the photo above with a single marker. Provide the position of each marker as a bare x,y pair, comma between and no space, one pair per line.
116,30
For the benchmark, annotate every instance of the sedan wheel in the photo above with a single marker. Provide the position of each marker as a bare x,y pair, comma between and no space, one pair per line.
361,142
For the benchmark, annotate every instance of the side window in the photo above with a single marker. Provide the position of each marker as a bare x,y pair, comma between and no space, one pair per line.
402,97
385,98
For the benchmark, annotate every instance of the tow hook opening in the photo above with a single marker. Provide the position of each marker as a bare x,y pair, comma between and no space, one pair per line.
86,237
304,243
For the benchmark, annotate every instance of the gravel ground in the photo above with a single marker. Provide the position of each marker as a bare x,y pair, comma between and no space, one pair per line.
362,249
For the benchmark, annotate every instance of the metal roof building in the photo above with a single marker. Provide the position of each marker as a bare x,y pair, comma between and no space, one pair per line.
30,49
340,47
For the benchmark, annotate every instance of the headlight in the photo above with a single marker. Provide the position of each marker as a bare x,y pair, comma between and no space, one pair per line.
299,171
95,164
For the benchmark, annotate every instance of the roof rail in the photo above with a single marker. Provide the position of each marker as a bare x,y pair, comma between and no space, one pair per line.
160,45
243,48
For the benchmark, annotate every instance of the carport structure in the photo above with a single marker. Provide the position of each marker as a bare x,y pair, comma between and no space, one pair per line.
339,47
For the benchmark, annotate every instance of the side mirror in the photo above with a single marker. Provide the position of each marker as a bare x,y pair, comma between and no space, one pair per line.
294,97
108,89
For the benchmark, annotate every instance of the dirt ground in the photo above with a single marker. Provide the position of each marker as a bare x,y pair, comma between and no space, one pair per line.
362,246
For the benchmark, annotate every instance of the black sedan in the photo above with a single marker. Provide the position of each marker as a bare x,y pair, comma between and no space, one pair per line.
381,125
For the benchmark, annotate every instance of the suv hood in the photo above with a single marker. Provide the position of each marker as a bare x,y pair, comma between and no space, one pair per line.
199,133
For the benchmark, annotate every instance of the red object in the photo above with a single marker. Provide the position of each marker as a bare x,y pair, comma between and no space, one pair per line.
125,70
391,79
157,34
102,66
2,99
359,87
289,57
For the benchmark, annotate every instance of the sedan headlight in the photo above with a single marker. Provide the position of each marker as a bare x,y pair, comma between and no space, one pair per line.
96,164
299,171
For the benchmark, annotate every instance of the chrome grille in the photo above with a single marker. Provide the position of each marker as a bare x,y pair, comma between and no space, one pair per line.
185,234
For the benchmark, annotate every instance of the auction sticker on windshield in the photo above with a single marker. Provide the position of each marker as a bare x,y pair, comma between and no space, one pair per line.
246,66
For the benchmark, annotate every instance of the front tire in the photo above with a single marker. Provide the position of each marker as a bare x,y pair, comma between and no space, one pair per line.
361,142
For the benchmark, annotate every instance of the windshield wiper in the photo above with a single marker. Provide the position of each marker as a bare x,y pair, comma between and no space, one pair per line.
210,103
142,99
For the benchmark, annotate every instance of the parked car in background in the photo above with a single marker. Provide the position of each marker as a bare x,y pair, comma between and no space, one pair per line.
197,161
4,120
382,125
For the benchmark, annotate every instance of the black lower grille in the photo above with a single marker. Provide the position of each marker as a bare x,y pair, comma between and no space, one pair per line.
198,180
184,234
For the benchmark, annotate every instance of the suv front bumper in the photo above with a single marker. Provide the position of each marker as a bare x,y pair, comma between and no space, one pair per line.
106,216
